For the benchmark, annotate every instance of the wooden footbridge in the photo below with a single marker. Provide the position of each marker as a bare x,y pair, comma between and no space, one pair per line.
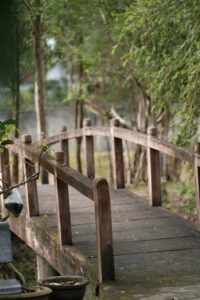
133,248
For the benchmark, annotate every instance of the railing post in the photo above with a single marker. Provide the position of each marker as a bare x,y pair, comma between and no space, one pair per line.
89,151
64,145
44,176
197,178
32,204
153,162
63,206
5,176
117,157
103,230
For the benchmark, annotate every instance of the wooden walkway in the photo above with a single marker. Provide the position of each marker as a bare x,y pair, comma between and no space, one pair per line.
156,253
151,245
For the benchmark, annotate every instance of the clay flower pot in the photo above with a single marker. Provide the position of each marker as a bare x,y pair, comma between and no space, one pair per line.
66,287
42,293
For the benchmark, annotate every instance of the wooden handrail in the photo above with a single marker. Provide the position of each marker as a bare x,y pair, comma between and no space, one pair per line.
64,173
154,146
97,190
182,153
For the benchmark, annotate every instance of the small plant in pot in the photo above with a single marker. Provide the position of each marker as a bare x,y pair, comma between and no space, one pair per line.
66,287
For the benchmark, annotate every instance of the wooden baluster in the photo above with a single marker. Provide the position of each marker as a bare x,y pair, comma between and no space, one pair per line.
5,177
63,206
44,175
32,204
103,230
117,157
153,162
64,145
5,170
197,178
89,151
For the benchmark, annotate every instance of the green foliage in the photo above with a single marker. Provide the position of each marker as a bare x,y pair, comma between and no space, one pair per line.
162,42
83,35
16,62
6,131
180,197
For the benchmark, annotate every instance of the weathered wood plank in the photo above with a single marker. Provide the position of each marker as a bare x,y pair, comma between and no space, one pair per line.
117,157
103,230
131,136
5,179
173,150
123,247
89,150
65,135
65,260
31,186
153,162
64,145
63,207
66,174
197,179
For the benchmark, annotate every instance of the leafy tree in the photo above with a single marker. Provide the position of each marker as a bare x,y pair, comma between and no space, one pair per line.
15,59
35,12
82,33
162,40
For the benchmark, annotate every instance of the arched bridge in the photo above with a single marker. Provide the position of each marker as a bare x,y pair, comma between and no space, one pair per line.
79,224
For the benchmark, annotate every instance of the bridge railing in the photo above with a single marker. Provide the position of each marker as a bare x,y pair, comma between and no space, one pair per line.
95,189
117,135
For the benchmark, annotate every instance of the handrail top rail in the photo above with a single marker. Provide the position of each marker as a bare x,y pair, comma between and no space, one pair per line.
66,174
142,139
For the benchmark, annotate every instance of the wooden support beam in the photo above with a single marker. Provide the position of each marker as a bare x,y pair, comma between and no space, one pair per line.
197,179
32,204
89,151
63,206
104,239
5,170
117,157
5,177
153,162
44,269
64,145
44,175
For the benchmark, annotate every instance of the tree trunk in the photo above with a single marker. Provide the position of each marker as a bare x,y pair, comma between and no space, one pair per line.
15,116
79,110
39,85
16,99
142,117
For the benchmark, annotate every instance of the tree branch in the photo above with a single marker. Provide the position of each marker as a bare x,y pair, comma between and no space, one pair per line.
112,113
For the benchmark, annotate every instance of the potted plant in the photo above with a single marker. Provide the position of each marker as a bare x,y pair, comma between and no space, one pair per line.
65,287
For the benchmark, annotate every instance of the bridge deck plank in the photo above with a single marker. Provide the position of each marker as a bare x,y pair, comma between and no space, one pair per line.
148,242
